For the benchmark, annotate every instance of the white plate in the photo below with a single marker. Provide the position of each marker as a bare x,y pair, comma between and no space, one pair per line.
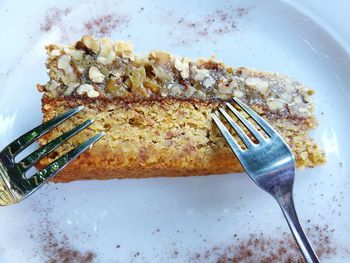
177,220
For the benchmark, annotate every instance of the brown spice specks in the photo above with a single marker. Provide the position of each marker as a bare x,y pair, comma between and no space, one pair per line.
61,251
259,248
53,17
207,26
73,26
54,245
104,25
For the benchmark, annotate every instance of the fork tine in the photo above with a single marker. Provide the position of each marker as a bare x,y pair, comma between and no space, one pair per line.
62,161
227,135
258,119
32,158
246,123
244,137
28,138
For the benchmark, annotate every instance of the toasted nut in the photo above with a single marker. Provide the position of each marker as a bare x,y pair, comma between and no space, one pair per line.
189,91
127,83
256,83
75,54
182,66
229,70
162,57
64,63
208,82
54,53
226,88
52,87
88,90
95,75
176,90
162,73
115,88
107,53
200,94
154,87
124,49
122,46
243,72
70,88
200,74
137,77
275,105
89,44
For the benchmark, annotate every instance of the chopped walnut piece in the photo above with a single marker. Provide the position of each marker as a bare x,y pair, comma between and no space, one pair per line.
107,53
89,44
182,66
275,104
119,72
227,89
75,54
153,86
258,84
88,90
70,88
64,63
176,90
162,58
54,53
200,74
209,82
95,75
124,49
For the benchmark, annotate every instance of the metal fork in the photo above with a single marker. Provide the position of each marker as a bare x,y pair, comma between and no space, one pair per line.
14,186
270,163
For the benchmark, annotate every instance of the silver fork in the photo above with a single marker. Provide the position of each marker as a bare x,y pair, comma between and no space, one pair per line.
14,186
270,163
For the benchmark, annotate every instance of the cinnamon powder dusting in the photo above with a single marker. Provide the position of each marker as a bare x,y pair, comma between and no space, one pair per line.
71,25
205,26
104,25
53,17
260,248
54,245
61,251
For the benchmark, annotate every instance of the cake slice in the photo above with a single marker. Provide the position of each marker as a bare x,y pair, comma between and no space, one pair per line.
155,110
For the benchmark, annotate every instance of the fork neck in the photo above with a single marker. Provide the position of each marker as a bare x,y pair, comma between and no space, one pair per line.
286,202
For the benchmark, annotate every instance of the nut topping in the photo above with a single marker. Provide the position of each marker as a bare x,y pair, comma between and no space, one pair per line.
89,44
95,75
64,63
182,66
258,84
88,90
111,69
107,53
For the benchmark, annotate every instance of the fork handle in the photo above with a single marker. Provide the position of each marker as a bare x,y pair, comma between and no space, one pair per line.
286,203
